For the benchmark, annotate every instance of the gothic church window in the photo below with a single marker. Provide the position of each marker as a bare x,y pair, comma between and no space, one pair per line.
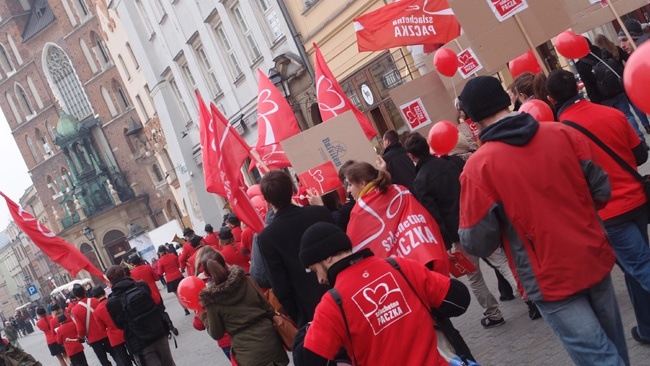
65,83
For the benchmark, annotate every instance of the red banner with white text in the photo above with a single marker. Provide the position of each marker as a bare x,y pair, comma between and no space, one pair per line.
405,23
396,224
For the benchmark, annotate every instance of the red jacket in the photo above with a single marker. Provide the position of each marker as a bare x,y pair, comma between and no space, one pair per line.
383,314
247,241
54,323
232,254
145,273
191,263
532,187
612,128
212,240
168,266
44,325
236,233
188,250
68,330
104,320
95,333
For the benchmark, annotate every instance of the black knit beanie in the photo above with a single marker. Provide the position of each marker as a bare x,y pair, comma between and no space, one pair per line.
321,241
225,233
483,97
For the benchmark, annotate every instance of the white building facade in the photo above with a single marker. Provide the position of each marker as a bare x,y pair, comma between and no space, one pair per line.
214,47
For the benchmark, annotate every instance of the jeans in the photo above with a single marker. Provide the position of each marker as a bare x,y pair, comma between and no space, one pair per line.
623,105
630,243
642,116
589,325
158,354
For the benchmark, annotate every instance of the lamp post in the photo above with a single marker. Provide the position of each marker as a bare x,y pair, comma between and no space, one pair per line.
279,81
90,235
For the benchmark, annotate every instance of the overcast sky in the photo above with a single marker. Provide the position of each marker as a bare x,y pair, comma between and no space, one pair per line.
14,179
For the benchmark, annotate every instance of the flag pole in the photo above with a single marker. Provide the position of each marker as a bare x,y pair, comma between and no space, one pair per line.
265,169
531,45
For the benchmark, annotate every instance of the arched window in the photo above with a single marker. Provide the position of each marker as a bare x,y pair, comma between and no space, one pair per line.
66,178
23,100
65,83
122,98
102,52
135,61
14,109
51,132
123,65
43,144
157,174
82,9
109,102
52,186
88,56
32,149
5,61
32,88
129,143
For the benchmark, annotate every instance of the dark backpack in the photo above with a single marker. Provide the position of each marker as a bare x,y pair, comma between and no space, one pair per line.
609,76
144,318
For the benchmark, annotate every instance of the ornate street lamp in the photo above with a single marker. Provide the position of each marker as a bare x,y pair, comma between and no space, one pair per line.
90,235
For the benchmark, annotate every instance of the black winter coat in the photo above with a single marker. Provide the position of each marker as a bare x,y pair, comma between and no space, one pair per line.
297,290
437,187
399,165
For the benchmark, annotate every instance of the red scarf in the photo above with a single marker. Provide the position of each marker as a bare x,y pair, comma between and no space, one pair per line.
396,224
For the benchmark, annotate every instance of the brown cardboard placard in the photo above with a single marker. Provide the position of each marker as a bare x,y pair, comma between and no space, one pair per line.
495,43
338,140
437,102
586,16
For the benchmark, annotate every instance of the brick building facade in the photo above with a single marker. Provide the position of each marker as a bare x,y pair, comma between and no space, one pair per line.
96,169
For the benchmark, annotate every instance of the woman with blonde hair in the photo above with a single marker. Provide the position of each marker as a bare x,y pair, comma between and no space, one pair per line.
232,305
389,220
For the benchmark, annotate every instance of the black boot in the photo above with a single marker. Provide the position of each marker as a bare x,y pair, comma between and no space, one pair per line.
533,312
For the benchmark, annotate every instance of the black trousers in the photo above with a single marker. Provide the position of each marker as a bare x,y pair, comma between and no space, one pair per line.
78,359
101,348
122,357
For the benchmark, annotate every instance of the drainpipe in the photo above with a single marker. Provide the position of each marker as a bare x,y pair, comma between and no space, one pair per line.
296,38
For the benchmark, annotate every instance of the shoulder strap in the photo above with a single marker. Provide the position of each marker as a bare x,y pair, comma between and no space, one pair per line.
89,310
395,265
606,149
337,299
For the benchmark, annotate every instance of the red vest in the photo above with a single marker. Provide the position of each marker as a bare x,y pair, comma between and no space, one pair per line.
145,273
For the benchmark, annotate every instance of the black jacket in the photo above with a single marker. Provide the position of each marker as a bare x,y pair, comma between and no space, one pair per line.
437,187
116,311
297,290
399,165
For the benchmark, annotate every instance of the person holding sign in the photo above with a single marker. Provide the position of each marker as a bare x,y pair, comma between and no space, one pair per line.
534,187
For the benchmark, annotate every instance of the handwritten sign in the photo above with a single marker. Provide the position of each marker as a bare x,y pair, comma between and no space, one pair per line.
321,179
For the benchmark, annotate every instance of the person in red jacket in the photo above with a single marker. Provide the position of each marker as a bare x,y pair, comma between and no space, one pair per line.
188,250
534,188
231,251
168,266
247,235
66,335
235,226
211,238
44,325
144,272
83,314
197,243
115,335
378,305
626,215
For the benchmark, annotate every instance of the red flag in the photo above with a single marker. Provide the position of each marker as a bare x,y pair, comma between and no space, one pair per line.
57,249
332,101
275,118
406,22
272,156
209,141
232,152
396,224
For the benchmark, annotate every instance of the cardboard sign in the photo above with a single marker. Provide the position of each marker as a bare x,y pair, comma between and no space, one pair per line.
469,63
338,140
414,114
459,265
321,179
603,3
429,89
587,15
504,9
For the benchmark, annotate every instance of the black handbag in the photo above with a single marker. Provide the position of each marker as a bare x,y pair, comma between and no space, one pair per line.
643,179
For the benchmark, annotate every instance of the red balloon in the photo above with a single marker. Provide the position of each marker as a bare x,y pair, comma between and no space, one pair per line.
443,137
636,77
254,190
446,62
571,45
524,63
188,292
541,111
260,205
